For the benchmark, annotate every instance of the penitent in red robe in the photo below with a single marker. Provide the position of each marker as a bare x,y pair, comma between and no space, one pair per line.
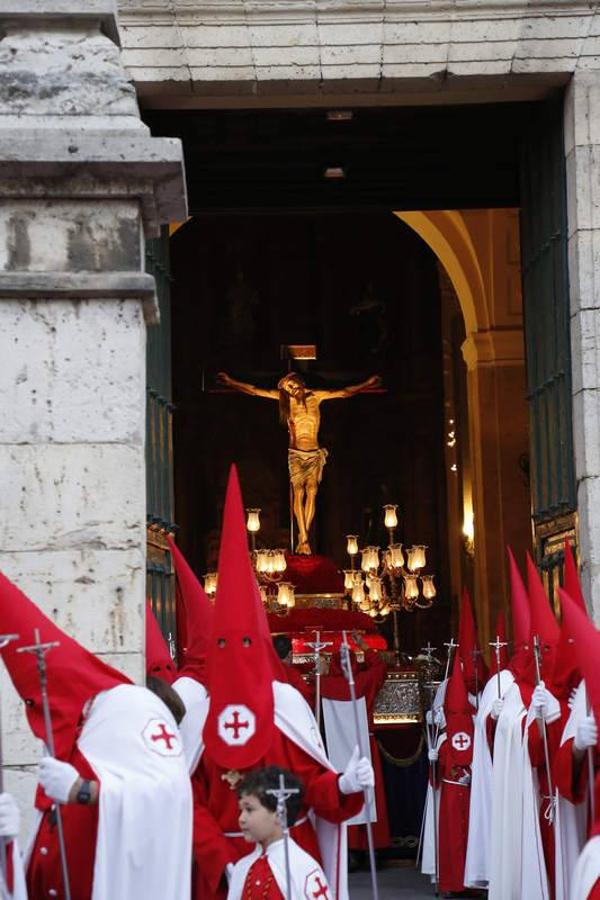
454,822
80,825
217,838
260,882
537,757
368,683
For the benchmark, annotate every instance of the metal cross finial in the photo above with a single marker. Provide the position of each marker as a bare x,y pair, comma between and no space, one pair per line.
317,646
498,644
451,645
428,650
282,794
5,639
39,650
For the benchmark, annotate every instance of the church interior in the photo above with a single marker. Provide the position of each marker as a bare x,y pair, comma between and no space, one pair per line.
341,244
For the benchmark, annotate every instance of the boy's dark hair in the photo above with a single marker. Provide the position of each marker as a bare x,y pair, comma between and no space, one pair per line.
257,782
169,697
283,645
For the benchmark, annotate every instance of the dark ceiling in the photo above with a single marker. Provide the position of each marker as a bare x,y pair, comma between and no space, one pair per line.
395,158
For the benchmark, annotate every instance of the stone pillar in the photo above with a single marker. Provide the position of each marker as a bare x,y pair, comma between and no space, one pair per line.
582,152
498,420
82,185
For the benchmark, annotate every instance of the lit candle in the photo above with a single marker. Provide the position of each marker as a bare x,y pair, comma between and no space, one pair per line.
416,558
370,559
395,556
285,594
210,583
429,590
358,591
352,544
348,579
253,520
411,587
374,585
391,517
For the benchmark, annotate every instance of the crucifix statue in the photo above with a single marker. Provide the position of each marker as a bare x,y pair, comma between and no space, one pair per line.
299,410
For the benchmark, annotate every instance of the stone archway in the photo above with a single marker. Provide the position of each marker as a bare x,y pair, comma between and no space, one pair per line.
479,250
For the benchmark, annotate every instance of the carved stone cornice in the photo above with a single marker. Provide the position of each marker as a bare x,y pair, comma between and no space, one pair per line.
496,347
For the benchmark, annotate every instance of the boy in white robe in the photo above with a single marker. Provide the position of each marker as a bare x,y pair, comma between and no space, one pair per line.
262,874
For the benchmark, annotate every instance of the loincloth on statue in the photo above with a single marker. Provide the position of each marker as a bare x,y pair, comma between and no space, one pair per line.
306,465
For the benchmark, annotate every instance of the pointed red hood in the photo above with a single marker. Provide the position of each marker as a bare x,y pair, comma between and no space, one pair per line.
240,723
468,647
158,658
499,633
567,673
521,663
459,719
572,584
74,674
587,647
195,616
543,623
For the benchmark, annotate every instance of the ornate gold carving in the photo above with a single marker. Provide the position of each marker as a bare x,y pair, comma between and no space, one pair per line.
233,777
399,700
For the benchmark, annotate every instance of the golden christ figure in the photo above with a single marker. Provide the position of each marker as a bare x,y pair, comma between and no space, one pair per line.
300,411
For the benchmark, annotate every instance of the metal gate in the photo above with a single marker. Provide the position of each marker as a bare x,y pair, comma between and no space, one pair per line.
547,336
159,444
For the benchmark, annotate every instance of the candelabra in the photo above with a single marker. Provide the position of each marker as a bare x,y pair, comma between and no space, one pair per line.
277,595
388,580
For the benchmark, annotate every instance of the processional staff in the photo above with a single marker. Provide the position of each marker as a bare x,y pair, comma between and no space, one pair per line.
431,745
347,669
538,678
317,646
39,650
476,653
282,795
5,639
590,764
497,646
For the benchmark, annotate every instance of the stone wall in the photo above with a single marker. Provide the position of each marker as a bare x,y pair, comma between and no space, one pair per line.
395,49
82,185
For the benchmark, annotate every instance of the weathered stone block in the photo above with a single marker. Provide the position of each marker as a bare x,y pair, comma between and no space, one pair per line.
62,235
584,270
88,593
65,497
53,357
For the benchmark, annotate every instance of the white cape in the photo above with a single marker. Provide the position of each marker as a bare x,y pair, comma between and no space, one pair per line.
295,718
19,891
340,733
431,826
587,870
534,877
480,805
571,819
307,877
507,779
144,841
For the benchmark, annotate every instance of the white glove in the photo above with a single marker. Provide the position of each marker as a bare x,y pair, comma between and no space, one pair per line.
545,705
432,755
57,778
10,817
429,717
439,718
357,775
229,872
497,708
586,734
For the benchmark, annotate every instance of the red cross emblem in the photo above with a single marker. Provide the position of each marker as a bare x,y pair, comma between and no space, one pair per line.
236,725
461,740
159,738
315,886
